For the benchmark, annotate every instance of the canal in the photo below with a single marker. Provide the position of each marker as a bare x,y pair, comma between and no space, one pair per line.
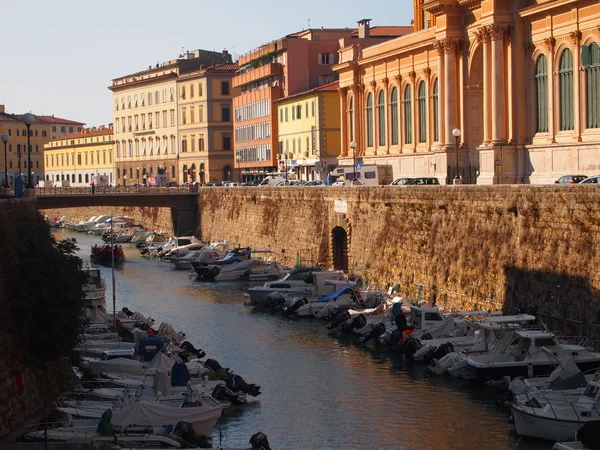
320,391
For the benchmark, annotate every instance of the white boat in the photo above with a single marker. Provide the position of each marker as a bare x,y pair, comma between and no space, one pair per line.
558,419
95,295
237,265
89,224
206,255
180,242
346,296
115,224
525,357
312,282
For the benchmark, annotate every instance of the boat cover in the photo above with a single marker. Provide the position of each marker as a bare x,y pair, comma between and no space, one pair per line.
161,383
180,375
336,294
157,414
105,426
119,365
397,309
149,347
161,361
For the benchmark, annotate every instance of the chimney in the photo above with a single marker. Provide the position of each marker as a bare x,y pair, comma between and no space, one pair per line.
364,29
1,108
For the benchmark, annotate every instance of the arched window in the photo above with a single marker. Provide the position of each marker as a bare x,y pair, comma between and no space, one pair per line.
394,114
422,113
565,75
591,62
541,94
436,112
381,117
407,115
351,118
370,120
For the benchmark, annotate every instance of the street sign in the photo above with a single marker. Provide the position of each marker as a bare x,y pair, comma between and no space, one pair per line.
358,165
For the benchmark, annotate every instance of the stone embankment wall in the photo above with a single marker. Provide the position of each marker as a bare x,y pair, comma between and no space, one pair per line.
469,246
41,382
155,218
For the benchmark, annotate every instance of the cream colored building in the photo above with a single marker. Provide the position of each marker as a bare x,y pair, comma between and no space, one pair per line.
77,157
145,117
205,124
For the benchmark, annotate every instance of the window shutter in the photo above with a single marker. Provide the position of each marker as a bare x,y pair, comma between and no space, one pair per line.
331,58
585,55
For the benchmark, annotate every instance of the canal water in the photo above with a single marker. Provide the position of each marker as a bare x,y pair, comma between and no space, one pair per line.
320,391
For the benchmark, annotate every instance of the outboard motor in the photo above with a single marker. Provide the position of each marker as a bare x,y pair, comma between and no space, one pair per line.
186,432
259,441
237,383
442,350
127,312
214,365
408,346
187,346
274,299
339,320
375,333
221,392
357,323
295,306
212,273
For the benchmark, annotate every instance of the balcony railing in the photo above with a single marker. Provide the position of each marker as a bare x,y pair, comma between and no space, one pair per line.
266,71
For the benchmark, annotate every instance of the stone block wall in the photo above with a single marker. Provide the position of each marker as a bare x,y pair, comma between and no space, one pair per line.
156,218
468,246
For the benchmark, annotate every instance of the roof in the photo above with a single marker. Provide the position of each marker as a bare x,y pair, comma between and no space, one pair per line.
86,133
40,120
387,31
329,87
217,68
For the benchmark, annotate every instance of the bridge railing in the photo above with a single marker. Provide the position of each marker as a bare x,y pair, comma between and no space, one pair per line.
112,190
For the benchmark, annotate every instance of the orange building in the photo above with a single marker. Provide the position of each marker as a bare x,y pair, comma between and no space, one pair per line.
296,63
489,91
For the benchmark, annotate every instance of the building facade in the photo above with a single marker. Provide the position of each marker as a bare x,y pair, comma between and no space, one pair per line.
290,65
206,124
309,132
43,129
145,117
491,91
76,158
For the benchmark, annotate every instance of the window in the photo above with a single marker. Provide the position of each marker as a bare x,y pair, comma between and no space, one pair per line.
54,128
351,118
192,113
591,63
200,89
191,90
157,119
306,110
407,115
172,117
183,116
164,121
226,143
381,117
63,129
224,87
149,98
201,143
370,120
281,115
394,114
193,142
298,111
164,96
172,95
286,114
541,94
326,59
225,115
184,144
183,92
422,113
565,75
313,108
173,149
436,112
201,113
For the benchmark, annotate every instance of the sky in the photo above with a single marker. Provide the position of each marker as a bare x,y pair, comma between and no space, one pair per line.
58,57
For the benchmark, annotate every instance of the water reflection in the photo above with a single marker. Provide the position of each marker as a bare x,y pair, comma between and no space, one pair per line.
320,390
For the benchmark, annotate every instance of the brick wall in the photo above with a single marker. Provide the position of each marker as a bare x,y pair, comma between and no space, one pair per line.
470,246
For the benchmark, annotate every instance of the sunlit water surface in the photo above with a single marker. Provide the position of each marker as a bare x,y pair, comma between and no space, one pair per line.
320,391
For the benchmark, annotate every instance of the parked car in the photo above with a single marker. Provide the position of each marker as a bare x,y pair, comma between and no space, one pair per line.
172,184
254,182
590,180
402,181
425,181
316,183
570,179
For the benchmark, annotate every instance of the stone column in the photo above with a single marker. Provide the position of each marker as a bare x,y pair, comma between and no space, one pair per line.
483,37
441,92
357,91
576,39
451,96
498,33
345,135
413,110
388,115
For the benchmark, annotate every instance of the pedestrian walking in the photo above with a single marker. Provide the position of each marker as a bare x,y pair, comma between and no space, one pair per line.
93,188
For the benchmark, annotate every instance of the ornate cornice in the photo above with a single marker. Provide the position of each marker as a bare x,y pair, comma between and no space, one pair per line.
499,30
447,45
550,44
386,82
575,37
373,84
398,79
427,72
482,35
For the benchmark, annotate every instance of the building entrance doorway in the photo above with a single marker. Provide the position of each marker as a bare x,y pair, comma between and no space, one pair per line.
340,248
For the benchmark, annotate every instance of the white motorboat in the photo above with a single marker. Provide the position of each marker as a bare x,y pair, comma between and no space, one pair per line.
237,265
312,282
346,296
558,419
206,255
181,242
86,225
116,224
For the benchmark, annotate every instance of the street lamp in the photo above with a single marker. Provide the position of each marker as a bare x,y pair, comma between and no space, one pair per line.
238,158
456,134
5,138
353,147
137,170
28,119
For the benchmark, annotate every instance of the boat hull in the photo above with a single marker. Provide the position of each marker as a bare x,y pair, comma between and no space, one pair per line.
547,428
499,371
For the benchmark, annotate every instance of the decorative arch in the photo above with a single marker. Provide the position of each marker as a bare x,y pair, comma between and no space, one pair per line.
565,86
370,119
407,96
339,247
381,116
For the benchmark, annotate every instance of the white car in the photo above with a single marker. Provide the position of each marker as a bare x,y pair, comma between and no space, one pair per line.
591,180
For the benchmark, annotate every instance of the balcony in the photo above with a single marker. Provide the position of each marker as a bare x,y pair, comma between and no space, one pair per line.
252,75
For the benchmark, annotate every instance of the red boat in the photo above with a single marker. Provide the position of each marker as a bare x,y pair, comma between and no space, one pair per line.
103,254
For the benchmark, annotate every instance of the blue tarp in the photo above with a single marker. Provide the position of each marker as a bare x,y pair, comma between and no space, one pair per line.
397,309
180,375
149,347
335,294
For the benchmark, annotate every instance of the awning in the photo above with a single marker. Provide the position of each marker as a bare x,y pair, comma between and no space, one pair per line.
336,294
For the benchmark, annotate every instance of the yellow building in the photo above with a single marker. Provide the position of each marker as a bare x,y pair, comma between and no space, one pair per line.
74,159
145,118
205,124
309,131
43,129
484,91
